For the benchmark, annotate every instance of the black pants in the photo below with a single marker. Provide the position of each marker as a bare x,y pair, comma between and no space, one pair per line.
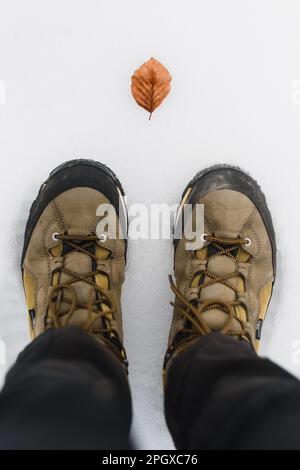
67,391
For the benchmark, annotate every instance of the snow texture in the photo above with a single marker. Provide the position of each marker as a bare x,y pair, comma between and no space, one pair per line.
66,68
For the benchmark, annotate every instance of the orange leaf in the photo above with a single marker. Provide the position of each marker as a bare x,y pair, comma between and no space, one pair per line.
150,84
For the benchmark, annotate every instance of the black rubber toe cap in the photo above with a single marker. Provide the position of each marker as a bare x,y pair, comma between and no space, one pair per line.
73,174
230,177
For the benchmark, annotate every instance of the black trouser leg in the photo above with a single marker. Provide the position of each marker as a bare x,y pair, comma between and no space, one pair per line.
221,395
65,391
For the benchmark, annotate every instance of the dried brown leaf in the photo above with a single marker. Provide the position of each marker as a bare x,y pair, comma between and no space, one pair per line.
150,85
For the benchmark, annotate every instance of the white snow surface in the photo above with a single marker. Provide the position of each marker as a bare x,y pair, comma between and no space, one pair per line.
235,65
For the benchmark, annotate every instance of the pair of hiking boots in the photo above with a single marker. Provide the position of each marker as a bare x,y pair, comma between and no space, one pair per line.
73,275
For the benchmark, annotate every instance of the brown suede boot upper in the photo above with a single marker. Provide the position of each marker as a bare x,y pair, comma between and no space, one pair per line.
226,284
70,276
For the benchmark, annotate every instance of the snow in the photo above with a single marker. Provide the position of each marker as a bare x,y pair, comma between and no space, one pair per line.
66,67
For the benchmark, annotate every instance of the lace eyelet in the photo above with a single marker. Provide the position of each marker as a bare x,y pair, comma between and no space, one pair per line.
102,237
248,242
202,238
55,236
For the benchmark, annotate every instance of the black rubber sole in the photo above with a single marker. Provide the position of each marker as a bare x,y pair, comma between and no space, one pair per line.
231,177
72,174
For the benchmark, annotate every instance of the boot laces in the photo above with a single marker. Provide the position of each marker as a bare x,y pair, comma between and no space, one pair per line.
97,297
192,309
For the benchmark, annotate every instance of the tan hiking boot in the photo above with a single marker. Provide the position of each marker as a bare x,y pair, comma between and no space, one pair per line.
72,274
225,285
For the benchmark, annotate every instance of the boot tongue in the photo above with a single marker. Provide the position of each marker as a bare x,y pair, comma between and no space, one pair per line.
217,318
80,263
